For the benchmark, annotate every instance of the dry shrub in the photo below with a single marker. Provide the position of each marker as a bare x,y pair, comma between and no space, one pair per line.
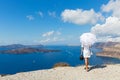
61,64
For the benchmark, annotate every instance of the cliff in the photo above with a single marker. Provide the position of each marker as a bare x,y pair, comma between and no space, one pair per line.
104,44
111,51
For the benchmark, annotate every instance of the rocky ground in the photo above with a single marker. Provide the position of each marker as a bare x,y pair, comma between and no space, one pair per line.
98,72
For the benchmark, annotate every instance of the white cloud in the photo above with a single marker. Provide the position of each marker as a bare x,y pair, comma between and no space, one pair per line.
58,32
45,40
109,31
48,33
51,36
40,13
112,6
53,14
81,17
30,17
117,39
57,39
51,33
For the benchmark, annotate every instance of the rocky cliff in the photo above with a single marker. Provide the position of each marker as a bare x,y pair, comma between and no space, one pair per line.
105,44
111,51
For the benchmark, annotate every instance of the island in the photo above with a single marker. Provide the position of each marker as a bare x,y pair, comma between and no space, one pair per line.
22,49
16,46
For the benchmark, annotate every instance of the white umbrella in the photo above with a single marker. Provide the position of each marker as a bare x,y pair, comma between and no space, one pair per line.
88,39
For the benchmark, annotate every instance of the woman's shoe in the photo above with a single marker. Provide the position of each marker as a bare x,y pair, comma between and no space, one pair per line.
88,68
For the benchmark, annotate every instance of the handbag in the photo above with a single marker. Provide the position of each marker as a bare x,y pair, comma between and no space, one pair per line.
81,55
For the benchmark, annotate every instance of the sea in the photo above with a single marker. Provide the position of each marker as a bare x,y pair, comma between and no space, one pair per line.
15,63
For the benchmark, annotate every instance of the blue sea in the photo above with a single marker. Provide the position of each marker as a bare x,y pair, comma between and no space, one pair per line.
15,63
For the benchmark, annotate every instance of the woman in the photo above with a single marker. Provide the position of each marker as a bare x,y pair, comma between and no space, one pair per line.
86,49
87,40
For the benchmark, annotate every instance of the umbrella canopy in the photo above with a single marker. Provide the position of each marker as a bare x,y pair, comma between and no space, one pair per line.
88,39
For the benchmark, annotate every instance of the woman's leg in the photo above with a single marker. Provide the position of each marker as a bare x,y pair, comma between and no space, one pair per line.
86,63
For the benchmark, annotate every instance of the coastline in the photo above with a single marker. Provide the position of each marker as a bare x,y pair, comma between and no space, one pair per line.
70,73
111,51
107,55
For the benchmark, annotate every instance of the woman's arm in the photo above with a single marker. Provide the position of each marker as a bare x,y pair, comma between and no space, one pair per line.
82,47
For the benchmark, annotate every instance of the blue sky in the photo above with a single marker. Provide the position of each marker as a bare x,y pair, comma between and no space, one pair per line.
53,22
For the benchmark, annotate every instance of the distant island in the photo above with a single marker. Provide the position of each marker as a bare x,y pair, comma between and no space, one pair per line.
22,49
16,46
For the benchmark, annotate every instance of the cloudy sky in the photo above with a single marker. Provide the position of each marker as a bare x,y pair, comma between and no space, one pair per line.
53,22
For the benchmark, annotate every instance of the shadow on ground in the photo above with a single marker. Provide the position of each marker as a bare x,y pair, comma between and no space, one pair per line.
97,66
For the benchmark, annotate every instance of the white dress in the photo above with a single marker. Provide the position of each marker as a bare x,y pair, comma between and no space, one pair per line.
86,51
